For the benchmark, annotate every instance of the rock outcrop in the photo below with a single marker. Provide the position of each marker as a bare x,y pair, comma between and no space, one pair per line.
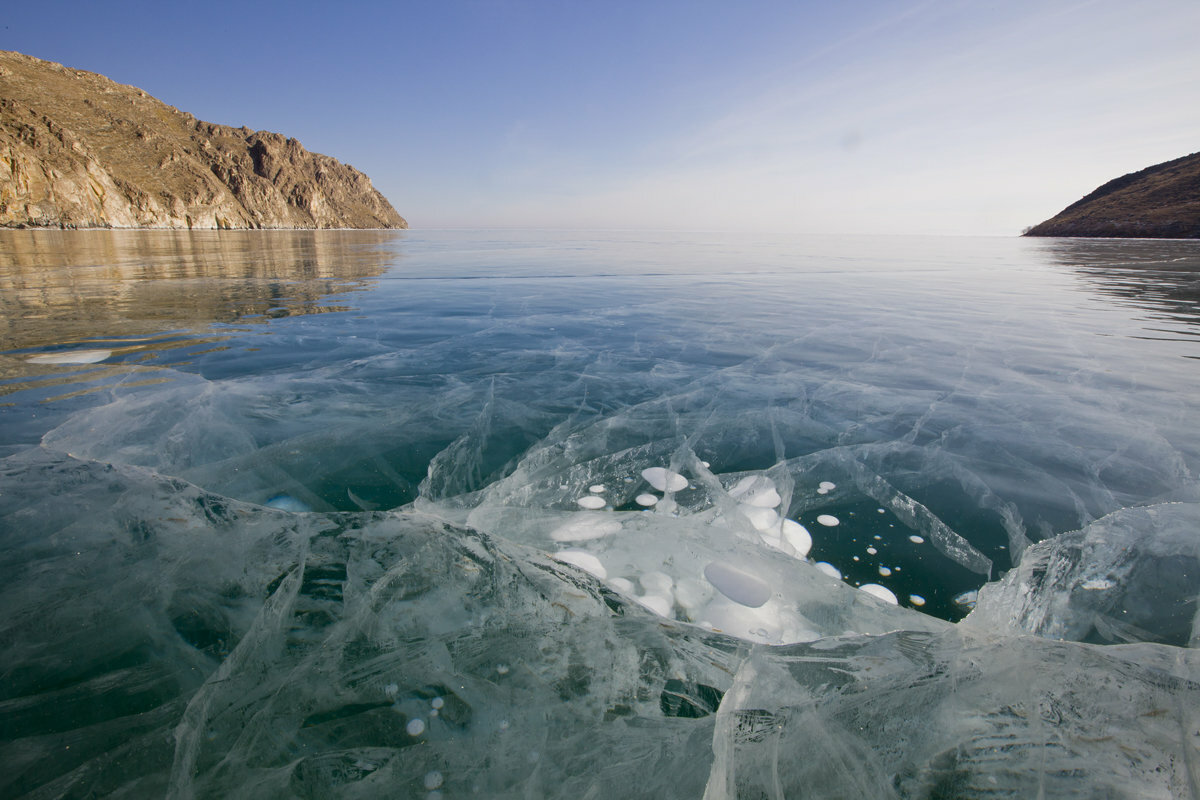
78,150
1159,202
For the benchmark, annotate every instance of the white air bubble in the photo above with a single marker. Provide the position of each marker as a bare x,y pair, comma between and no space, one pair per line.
597,488
433,780
415,727
622,585
585,527
916,599
828,520
828,486
798,537
884,571
584,560
664,479
916,539
882,592
829,569
646,500
739,586
656,603
590,502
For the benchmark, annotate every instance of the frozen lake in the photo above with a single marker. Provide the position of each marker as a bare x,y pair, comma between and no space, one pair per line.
562,514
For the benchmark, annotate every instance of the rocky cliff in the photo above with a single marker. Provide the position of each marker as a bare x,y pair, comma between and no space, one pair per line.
1160,202
78,150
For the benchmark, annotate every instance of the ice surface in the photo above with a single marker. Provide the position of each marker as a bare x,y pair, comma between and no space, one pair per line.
253,652
341,555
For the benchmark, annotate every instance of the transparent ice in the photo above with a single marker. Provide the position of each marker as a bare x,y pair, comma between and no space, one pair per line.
546,538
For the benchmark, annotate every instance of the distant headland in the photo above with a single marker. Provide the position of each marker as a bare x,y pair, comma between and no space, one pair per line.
1159,202
78,150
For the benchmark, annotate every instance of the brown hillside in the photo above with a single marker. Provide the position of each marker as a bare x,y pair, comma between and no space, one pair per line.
78,150
1160,202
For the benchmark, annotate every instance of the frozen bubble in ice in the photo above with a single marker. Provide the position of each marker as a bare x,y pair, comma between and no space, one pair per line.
916,539
433,780
657,583
763,519
584,560
415,727
884,571
596,488
828,486
646,500
829,569
756,490
437,702
798,537
882,592
502,669
656,603
763,624
738,585
872,550
880,511
285,502
828,520
591,502
967,599
585,527
822,491
391,690
664,479
71,357
916,599
622,585
1097,584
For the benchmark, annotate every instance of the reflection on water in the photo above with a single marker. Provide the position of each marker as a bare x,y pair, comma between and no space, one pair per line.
62,287
1162,277
89,303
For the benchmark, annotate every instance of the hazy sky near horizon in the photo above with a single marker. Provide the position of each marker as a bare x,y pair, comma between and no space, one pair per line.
874,116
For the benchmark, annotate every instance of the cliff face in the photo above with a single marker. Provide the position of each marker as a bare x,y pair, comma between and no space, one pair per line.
78,150
1161,202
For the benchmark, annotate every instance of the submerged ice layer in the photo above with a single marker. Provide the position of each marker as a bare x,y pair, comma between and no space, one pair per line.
165,641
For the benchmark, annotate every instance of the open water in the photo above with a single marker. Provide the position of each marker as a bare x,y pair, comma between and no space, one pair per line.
599,514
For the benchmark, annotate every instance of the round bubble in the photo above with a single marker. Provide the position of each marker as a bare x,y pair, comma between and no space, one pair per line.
584,560
596,488
622,585
829,569
828,520
591,502
798,537
882,592
656,603
645,500
433,780
415,727
916,599
664,479
916,539
738,585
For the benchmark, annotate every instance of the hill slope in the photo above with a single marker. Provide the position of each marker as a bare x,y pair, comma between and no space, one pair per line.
78,150
1161,202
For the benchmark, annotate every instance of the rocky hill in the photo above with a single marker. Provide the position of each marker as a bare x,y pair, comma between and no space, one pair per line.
1160,202
78,150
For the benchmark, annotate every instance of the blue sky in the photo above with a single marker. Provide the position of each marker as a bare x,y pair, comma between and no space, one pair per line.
878,116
